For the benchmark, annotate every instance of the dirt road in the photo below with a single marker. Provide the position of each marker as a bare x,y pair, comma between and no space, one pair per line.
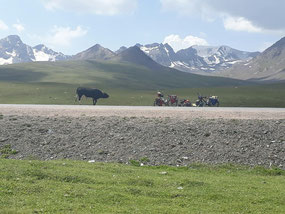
144,111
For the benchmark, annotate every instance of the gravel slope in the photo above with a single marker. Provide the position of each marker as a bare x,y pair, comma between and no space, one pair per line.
49,132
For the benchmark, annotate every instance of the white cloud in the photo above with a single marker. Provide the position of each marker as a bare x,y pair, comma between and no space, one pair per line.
178,43
63,36
98,7
3,26
19,27
189,8
260,16
240,24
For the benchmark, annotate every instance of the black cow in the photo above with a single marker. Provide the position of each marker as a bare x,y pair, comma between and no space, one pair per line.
94,93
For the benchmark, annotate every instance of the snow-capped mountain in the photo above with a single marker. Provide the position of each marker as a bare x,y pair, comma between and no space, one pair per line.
161,53
43,53
268,66
197,59
13,50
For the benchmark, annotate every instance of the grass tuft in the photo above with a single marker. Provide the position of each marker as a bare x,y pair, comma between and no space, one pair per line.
6,151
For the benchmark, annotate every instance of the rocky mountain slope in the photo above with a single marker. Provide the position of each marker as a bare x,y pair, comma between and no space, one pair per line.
197,59
13,50
96,52
269,65
160,53
121,49
43,53
136,56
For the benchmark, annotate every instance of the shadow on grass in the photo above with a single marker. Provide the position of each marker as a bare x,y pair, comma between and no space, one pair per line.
17,75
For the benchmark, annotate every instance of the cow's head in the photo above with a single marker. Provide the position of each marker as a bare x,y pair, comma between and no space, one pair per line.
105,95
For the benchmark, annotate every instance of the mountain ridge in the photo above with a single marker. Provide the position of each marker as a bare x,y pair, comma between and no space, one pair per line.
136,56
96,52
13,50
204,60
268,66
197,59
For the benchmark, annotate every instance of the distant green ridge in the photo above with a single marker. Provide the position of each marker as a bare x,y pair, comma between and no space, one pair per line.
109,74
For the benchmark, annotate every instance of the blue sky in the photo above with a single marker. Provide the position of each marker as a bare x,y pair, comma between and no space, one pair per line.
71,26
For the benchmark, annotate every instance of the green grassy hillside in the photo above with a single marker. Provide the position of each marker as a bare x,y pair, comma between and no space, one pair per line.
54,93
108,75
127,84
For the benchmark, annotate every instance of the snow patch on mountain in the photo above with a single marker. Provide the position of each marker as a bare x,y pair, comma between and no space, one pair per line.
160,53
42,56
197,58
13,50
6,61
43,53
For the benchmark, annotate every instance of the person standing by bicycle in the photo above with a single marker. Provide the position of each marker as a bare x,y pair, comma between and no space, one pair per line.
159,94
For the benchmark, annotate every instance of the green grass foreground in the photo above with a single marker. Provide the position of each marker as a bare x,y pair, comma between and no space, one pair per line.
81,187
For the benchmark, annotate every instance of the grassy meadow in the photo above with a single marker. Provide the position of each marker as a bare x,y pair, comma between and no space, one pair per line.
56,93
127,84
31,186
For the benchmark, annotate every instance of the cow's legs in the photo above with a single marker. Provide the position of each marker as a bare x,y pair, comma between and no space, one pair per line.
94,101
78,96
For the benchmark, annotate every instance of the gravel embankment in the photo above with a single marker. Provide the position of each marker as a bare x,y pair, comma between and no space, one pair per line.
161,140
